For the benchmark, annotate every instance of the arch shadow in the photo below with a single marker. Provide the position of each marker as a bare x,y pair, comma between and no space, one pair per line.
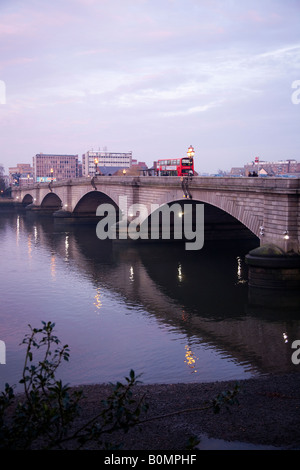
27,199
88,204
218,224
51,203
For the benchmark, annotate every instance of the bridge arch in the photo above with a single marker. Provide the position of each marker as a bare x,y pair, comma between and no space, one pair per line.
232,206
27,199
222,217
89,202
51,202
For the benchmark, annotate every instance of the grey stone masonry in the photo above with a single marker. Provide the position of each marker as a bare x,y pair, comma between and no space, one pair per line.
269,207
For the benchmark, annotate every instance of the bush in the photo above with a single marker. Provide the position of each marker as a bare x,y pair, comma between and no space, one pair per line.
44,416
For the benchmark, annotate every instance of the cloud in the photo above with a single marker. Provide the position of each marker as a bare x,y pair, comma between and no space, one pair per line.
194,110
99,68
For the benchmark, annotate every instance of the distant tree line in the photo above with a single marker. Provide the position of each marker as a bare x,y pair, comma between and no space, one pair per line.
2,181
3,188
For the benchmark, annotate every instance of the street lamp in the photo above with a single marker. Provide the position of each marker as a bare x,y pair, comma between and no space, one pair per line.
51,171
191,153
96,161
257,164
124,172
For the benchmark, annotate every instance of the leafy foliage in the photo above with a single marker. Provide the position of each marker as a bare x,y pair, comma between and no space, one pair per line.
2,181
45,415
226,398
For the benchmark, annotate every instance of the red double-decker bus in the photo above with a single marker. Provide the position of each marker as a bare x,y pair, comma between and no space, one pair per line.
176,167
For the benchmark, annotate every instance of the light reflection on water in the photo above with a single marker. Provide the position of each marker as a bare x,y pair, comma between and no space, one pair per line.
172,315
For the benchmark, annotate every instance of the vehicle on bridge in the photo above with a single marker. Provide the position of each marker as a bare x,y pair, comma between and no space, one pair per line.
176,167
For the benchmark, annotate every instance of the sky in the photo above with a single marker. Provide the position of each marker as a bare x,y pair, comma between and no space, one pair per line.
152,77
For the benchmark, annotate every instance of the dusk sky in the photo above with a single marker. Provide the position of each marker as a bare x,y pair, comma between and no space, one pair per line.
150,76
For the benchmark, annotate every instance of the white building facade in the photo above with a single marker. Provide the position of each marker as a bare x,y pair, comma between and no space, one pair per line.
92,161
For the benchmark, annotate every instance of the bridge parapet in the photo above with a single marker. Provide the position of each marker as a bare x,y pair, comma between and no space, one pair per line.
267,185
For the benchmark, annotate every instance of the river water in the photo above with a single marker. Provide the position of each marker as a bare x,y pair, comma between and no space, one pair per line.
171,315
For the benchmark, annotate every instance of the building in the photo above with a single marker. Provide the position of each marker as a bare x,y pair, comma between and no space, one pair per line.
79,169
49,167
237,171
141,165
264,168
104,162
20,174
281,167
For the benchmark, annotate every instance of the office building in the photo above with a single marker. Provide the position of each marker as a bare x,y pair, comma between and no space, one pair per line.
50,167
20,174
104,162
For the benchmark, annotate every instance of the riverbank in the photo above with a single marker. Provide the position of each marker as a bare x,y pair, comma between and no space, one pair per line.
7,204
6,200
268,414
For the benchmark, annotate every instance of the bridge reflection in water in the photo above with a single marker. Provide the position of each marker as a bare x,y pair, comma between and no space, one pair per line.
171,314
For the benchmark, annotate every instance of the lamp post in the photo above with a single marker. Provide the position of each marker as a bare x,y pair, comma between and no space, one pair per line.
191,153
257,165
124,172
96,161
51,171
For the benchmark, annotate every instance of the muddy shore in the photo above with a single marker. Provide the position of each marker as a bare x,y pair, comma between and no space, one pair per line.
267,414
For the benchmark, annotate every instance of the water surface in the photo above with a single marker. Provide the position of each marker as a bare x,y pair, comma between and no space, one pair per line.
171,315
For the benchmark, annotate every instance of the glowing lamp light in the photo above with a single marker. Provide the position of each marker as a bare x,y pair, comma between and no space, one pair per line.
191,151
286,235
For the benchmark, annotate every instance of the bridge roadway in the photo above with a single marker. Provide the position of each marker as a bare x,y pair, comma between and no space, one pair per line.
268,207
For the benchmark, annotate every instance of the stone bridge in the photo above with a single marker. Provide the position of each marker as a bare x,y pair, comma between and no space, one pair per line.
267,207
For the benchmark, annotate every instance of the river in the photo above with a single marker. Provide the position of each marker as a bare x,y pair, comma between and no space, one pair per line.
171,315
